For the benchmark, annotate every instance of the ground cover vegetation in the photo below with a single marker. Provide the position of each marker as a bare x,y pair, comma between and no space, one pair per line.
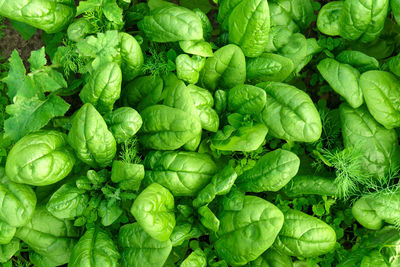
200,133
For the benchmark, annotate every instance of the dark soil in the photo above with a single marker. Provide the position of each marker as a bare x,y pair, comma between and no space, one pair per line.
13,40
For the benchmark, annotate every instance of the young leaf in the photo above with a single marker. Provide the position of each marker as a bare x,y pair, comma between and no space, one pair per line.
102,48
85,6
109,213
103,44
37,59
112,11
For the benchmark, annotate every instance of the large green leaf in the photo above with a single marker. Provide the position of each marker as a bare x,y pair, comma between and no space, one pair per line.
378,146
245,234
167,128
305,236
94,248
382,93
154,211
271,172
343,79
171,24
141,250
183,173
93,143
290,113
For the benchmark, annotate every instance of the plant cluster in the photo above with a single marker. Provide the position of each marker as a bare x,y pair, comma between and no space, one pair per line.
201,133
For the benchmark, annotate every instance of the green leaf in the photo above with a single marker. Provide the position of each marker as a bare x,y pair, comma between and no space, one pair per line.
67,202
80,221
153,209
184,232
37,59
112,11
245,234
103,47
220,184
42,80
128,175
208,219
52,42
318,209
85,6
196,258
153,4
95,248
31,114
138,249
234,200
171,54
46,83
26,31
16,75
109,213
199,47
7,251
203,5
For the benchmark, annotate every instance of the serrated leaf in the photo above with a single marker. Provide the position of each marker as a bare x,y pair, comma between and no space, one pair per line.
31,114
37,59
46,83
104,45
16,75
34,84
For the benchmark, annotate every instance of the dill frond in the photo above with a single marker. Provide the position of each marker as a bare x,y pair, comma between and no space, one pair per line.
387,191
331,129
95,19
386,185
156,64
130,151
98,20
70,60
348,169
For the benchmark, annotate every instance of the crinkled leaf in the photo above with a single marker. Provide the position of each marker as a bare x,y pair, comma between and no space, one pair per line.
141,250
67,202
104,45
31,114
